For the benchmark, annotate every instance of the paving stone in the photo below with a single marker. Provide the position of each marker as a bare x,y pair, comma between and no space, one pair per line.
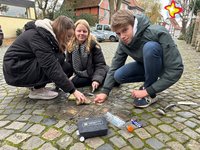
12,117
182,138
49,121
105,147
36,119
5,133
191,133
163,137
167,120
154,121
142,133
118,141
193,145
196,120
152,130
17,111
32,143
38,112
65,141
190,124
47,146
125,134
136,143
175,146
127,148
77,146
16,125
198,129
27,112
24,117
186,114
94,142
166,128
3,123
7,111
51,134
18,137
27,126
179,126
60,123
138,111
155,144
2,116
36,129
70,128
8,147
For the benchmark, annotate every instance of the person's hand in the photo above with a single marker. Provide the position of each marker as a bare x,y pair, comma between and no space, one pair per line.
100,98
139,93
95,85
79,96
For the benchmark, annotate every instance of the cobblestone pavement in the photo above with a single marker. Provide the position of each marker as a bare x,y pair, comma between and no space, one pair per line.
51,125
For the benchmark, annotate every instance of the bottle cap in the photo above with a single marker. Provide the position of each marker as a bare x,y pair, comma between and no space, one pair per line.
82,139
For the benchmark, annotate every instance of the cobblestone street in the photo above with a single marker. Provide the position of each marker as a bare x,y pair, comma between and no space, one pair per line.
52,125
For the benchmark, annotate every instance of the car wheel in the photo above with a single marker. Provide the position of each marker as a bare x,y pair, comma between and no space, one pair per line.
112,39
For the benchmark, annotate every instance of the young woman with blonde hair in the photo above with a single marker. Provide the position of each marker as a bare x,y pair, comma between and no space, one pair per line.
86,58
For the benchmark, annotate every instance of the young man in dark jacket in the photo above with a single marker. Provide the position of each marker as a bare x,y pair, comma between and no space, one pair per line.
157,60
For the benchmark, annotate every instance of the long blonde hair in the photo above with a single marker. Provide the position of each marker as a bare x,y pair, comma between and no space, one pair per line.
74,42
60,26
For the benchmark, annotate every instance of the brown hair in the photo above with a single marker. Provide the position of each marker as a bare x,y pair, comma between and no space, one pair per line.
122,18
73,43
60,26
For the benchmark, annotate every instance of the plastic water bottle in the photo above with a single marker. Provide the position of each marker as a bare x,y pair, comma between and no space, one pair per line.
115,120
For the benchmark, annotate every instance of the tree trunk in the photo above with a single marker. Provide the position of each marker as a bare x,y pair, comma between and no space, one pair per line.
112,10
184,22
118,4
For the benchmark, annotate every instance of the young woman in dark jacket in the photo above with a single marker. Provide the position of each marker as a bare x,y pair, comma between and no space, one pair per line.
86,58
37,57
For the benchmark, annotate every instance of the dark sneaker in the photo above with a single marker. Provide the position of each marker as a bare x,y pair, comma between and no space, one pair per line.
144,102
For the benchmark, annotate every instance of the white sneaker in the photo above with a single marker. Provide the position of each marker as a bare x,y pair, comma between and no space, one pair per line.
42,93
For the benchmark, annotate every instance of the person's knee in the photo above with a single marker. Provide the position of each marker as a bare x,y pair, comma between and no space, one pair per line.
118,77
152,49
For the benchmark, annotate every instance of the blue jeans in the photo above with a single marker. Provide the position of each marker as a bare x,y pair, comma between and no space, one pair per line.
148,71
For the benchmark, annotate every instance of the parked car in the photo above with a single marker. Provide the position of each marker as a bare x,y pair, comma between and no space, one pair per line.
106,30
99,36
1,36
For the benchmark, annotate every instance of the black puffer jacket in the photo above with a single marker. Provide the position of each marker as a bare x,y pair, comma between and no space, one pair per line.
96,65
34,59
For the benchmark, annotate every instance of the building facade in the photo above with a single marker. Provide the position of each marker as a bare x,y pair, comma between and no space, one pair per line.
14,14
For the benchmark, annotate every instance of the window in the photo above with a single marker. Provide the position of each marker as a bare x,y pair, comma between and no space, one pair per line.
13,11
107,28
99,27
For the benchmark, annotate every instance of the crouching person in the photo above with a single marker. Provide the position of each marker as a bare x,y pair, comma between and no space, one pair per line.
157,61
37,57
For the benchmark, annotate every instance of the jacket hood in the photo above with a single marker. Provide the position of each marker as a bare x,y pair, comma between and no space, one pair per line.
143,23
30,25
46,24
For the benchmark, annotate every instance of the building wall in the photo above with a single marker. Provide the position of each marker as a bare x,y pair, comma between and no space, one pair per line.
93,11
196,33
104,13
9,25
124,6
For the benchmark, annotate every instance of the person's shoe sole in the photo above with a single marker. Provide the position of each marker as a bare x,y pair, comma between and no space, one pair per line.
41,97
142,106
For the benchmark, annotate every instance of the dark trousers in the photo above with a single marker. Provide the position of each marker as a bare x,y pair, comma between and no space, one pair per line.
148,71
